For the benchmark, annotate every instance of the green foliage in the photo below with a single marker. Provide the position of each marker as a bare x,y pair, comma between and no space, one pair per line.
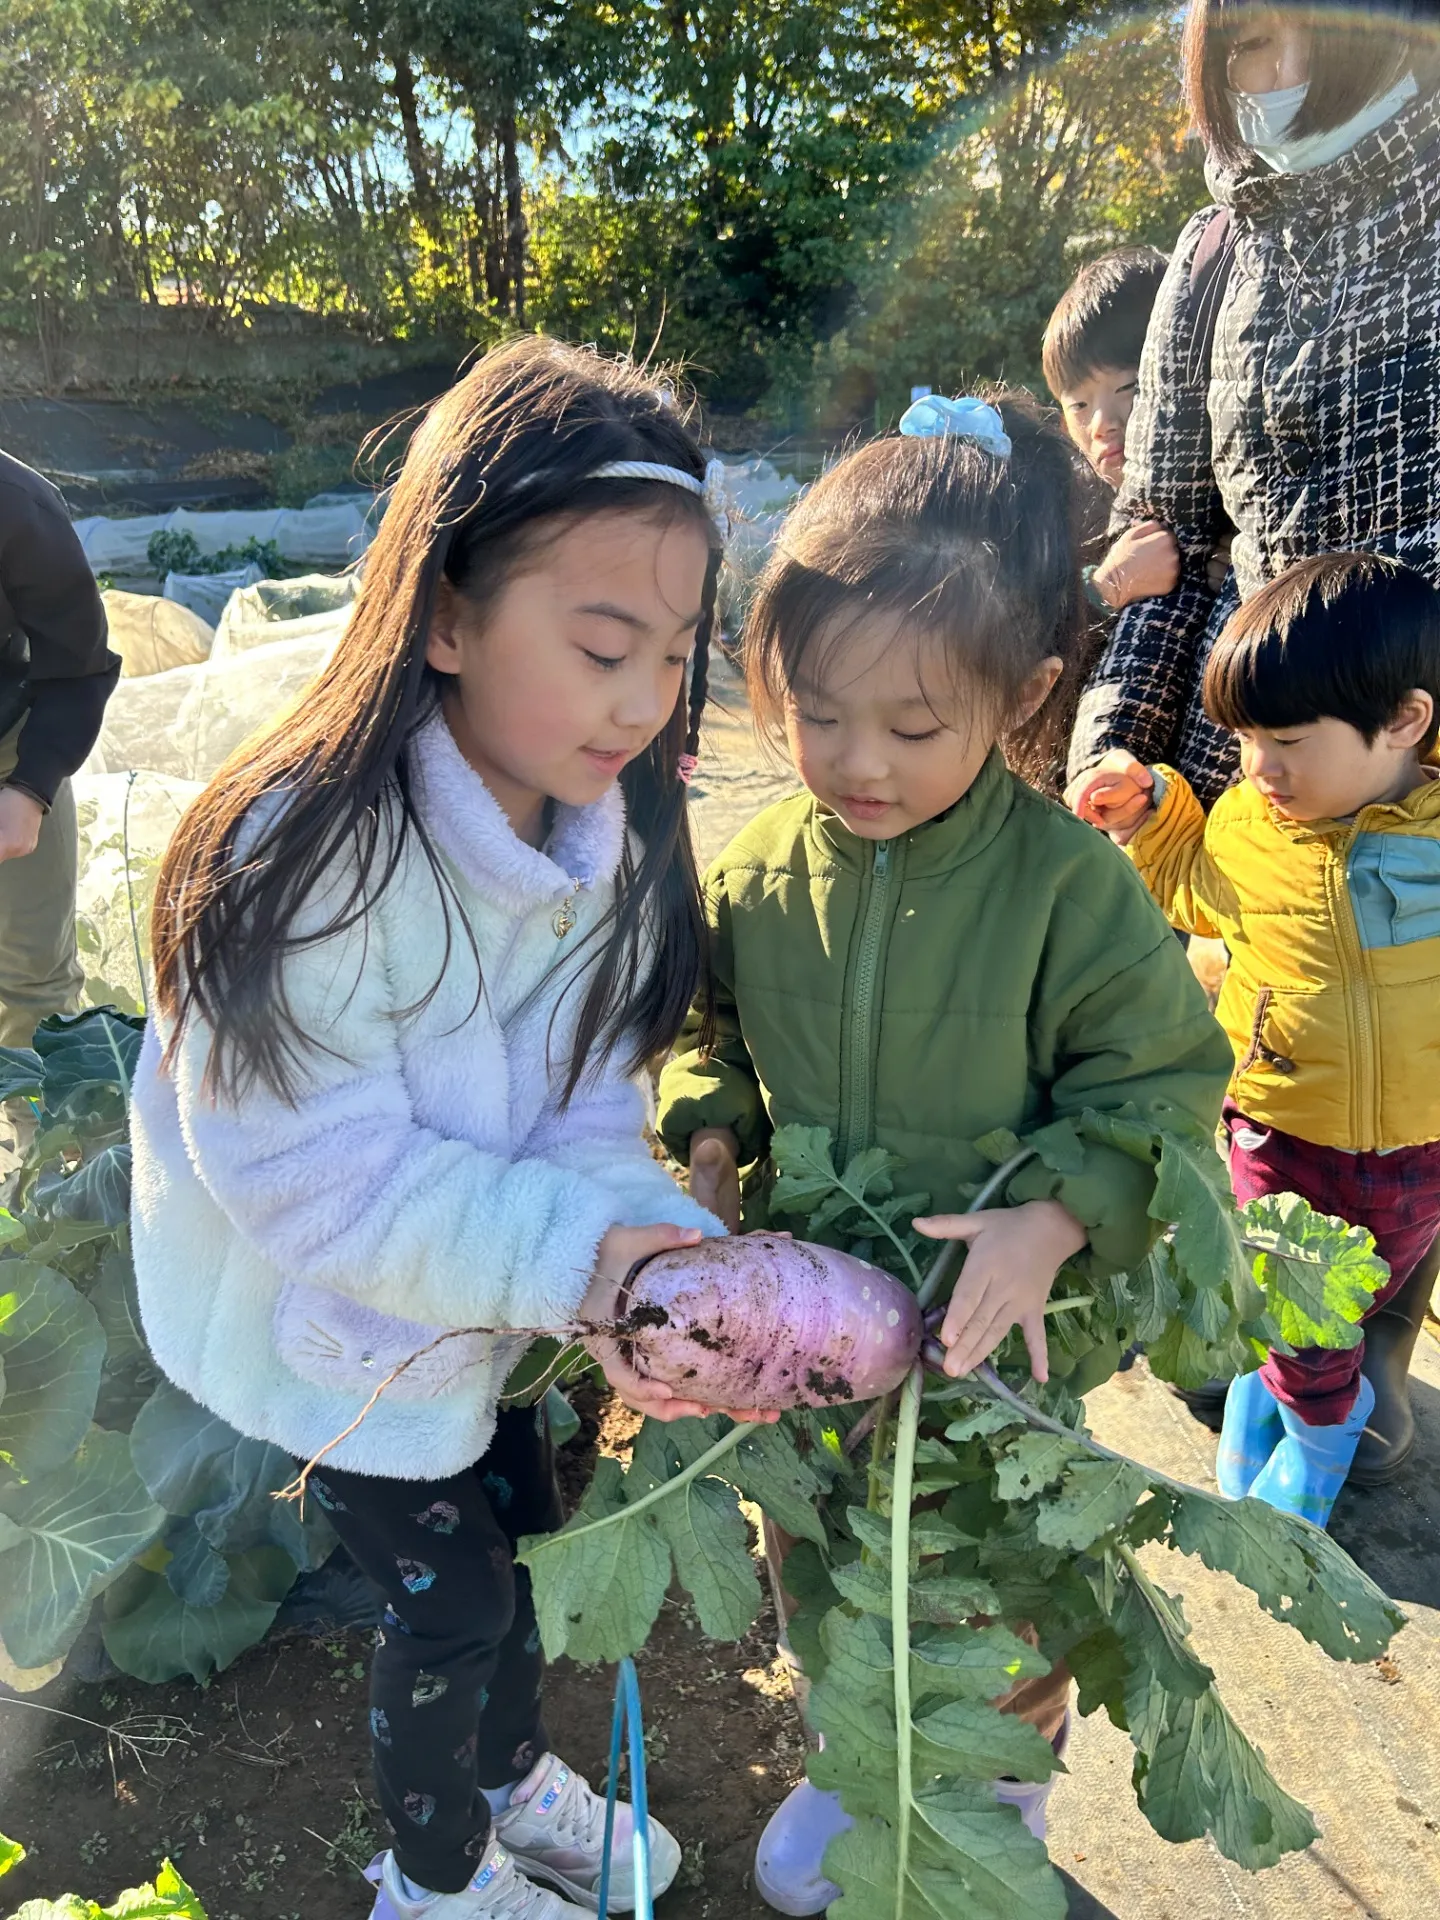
1319,1274
604,1575
113,1483
980,1505
180,553
166,1895
813,204
1076,156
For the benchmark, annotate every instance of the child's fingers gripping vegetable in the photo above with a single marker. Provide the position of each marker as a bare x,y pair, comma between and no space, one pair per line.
1115,795
1013,1256
621,1248
715,1173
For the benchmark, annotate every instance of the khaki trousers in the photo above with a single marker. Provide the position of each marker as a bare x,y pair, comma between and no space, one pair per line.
40,971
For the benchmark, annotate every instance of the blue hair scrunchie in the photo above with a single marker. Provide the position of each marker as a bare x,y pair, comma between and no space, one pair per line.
935,417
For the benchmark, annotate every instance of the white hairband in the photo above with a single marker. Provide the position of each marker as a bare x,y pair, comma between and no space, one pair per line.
712,489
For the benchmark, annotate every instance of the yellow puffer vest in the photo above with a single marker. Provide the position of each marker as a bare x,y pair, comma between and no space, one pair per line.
1332,1001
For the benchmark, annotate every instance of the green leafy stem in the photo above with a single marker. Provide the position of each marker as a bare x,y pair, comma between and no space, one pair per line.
697,1469
907,1434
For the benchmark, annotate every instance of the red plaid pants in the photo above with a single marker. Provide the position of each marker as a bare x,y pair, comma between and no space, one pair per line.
1396,1195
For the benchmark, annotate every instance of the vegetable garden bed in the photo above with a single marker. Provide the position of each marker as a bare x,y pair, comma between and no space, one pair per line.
726,1746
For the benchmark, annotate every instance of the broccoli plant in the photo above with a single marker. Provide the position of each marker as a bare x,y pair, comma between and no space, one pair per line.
114,1486
929,1530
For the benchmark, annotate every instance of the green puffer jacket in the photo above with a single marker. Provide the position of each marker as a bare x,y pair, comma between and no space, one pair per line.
1002,966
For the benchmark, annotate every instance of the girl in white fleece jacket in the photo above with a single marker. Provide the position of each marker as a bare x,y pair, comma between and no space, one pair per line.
412,947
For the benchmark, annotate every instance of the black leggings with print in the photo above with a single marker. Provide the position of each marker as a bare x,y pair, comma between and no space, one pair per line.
455,1682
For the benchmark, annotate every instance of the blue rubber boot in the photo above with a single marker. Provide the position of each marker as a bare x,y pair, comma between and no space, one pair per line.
1308,1468
1251,1431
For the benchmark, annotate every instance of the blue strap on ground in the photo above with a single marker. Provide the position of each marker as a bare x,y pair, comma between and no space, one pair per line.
627,1717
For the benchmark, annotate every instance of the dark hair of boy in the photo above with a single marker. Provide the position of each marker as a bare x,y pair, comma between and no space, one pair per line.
1101,318
976,553
1342,636
1355,54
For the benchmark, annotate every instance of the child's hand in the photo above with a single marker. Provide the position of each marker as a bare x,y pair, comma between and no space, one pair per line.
1013,1258
1117,795
1143,564
1217,567
715,1174
618,1252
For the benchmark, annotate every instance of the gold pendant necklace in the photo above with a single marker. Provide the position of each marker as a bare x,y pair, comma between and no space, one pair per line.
563,918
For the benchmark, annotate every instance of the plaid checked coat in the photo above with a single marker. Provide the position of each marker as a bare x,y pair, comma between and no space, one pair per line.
1314,426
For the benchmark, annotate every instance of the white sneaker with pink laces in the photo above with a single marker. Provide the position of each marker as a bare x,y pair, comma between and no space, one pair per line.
555,1828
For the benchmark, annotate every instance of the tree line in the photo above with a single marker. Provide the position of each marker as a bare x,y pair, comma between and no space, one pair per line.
816,204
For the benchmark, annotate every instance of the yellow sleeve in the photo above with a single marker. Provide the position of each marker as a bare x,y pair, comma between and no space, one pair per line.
1174,862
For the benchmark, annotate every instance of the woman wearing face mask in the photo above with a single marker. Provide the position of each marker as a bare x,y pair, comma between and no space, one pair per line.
1290,385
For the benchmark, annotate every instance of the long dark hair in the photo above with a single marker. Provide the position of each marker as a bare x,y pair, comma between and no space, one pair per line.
501,461
979,552
1356,53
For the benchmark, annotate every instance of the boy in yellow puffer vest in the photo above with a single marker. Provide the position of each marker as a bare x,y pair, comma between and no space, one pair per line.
1321,872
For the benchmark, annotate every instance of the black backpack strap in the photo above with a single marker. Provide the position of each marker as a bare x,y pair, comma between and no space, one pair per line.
1209,275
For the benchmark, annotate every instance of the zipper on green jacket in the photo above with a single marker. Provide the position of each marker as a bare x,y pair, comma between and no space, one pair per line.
857,1077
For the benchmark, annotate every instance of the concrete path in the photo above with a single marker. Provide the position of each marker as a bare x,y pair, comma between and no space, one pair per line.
1359,1745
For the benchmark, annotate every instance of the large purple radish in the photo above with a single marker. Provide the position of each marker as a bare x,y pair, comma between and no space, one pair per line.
762,1321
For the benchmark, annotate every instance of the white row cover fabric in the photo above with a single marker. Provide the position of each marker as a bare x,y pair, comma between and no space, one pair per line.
315,605
122,814
152,634
184,723
208,594
331,536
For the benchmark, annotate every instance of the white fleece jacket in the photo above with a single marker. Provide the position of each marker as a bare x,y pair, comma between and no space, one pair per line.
289,1256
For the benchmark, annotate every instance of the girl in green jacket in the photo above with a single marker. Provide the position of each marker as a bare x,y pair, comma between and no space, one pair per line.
919,949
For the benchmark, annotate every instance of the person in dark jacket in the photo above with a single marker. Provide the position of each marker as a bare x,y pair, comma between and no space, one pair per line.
1291,386
1295,389
56,673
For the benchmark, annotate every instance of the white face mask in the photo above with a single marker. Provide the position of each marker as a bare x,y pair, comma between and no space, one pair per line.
1262,120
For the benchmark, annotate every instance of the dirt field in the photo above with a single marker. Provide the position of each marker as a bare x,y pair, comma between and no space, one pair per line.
258,1787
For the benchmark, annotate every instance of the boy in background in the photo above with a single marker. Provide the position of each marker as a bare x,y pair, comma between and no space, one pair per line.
1091,356
1321,871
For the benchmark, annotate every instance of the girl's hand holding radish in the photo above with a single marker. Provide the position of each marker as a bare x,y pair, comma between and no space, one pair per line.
1014,1254
715,1174
618,1253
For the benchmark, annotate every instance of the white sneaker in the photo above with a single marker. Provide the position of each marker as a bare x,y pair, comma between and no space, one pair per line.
498,1892
555,1827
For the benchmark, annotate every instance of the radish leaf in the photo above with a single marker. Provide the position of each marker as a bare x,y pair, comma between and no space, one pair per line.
1319,1276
